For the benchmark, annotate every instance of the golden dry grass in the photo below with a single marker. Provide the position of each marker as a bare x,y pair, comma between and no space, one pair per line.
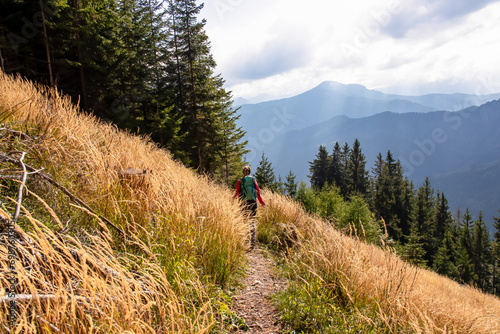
182,230
404,296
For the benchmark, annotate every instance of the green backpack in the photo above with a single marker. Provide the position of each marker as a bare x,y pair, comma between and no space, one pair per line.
247,189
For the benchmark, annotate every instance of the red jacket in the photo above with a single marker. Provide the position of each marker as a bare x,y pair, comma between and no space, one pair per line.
238,187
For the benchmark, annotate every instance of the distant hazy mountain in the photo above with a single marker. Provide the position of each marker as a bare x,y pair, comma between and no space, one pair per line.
458,150
331,99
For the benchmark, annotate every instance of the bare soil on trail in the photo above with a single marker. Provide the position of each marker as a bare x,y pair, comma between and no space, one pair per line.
252,303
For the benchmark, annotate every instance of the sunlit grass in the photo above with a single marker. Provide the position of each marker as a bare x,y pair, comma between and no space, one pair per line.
184,235
372,287
184,241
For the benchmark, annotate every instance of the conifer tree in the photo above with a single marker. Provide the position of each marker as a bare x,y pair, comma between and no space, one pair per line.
414,249
319,168
442,221
336,171
265,174
200,98
356,173
344,162
496,255
464,264
496,226
445,258
389,199
290,184
377,168
481,252
424,217
406,215
231,147
374,180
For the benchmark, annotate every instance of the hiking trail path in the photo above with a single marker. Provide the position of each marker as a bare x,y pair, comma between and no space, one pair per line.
252,302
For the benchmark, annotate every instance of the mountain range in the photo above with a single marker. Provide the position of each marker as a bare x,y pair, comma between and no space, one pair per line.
454,139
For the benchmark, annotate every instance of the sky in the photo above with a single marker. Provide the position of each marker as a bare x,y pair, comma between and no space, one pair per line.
267,49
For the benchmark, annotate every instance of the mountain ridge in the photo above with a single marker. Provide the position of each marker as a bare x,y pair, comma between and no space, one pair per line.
428,142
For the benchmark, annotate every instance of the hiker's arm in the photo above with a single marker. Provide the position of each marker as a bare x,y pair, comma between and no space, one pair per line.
238,186
258,194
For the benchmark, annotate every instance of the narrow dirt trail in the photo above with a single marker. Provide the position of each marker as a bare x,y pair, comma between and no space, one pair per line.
252,303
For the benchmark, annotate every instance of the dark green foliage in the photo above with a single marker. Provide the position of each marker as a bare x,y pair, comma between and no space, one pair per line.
445,258
345,168
392,196
413,250
418,222
481,251
356,174
144,65
496,225
290,185
265,174
319,169
336,171
495,252
464,264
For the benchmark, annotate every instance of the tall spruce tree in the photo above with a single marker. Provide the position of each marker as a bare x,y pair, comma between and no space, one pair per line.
481,252
319,168
199,97
231,147
442,221
414,249
424,217
356,173
344,162
496,226
407,214
290,184
464,245
389,199
265,174
445,259
336,171
496,255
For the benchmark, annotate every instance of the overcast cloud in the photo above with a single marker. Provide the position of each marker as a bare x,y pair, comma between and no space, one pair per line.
284,47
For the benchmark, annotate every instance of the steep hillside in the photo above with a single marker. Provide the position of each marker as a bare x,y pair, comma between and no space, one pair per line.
339,284
112,236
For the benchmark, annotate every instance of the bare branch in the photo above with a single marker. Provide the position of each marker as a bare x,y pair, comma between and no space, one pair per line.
63,189
18,133
21,186
26,298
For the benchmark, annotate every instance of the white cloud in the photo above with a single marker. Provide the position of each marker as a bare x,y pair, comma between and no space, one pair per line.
286,47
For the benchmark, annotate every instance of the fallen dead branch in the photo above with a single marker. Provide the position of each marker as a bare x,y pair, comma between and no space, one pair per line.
47,178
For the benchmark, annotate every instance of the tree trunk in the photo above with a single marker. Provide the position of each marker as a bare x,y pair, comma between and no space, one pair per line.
47,50
2,61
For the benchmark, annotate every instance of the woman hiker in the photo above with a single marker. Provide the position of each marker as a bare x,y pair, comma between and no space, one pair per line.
248,190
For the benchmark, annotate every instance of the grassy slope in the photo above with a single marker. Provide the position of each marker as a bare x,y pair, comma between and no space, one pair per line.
182,233
340,284
184,236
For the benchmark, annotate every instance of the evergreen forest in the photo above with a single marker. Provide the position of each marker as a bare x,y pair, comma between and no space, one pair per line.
144,65
381,206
